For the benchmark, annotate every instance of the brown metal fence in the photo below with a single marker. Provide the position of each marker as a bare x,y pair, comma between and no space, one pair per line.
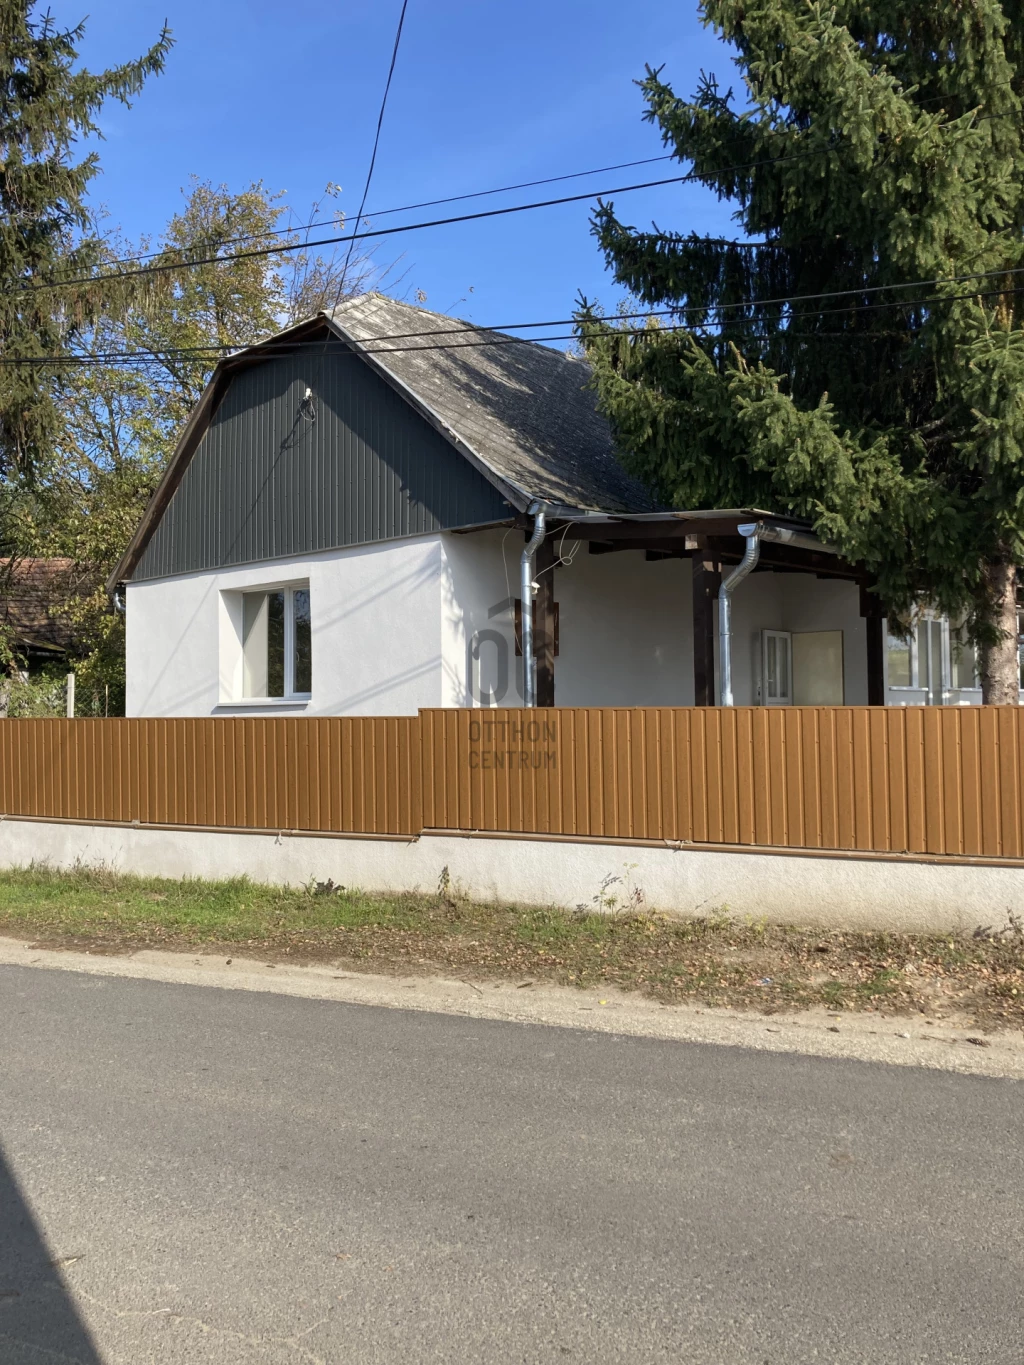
336,774
895,780
918,780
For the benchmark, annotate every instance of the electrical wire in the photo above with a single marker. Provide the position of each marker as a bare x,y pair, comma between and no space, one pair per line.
284,248
480,336
296,230
376,144
344,238
115,360
371,214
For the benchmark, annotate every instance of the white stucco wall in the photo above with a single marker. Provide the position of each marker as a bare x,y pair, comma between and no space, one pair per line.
376,634
429,622
625,625
797,602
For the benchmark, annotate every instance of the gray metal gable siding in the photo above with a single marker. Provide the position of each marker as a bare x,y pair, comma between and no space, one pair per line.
265,482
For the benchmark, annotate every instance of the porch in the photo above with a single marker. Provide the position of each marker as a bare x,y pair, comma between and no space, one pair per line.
626,612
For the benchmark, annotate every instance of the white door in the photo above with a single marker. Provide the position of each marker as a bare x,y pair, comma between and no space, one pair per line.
776,668
818,668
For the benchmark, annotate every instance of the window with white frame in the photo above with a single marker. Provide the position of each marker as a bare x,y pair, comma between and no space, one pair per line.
277,660
964,660
777,667
922,661
901,660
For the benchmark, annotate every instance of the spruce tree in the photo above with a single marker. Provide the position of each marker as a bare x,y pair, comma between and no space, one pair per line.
48,104
857,358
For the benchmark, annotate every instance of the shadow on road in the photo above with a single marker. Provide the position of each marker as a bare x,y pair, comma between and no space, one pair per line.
38,1321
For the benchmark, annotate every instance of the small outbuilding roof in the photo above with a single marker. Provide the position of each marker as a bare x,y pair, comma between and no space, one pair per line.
34,597
526,411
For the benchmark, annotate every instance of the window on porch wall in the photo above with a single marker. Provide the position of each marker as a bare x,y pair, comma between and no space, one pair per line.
922,662
964,660
900,661
907,662
777,648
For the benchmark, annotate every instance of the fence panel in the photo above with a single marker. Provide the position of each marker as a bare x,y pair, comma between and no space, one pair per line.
337,774
910,780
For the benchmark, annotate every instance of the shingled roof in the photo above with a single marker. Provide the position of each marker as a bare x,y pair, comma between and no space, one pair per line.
526,411
34,596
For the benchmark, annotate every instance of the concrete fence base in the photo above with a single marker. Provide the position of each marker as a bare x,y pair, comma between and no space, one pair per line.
840,892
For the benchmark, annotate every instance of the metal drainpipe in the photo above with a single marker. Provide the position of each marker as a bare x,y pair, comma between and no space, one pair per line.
752,533
526,591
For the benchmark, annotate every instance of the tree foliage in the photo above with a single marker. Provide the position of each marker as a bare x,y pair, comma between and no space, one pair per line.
48,104
858,358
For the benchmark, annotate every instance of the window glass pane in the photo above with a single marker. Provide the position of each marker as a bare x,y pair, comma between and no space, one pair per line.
275,644
965,668
938,660
783,667
899,662
254,644
771,668
303,660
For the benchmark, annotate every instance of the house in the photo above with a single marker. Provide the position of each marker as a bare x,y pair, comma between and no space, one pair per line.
34,595
340,531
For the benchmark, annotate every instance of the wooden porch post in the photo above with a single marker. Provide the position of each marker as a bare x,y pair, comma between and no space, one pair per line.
544,620
871,609
706,579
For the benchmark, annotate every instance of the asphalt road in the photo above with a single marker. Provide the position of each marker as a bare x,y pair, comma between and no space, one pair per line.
197,1175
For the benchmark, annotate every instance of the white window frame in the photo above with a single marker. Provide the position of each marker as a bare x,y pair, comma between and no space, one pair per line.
786,637
262,589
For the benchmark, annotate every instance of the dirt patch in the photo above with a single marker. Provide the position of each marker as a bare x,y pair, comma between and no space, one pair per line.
975,981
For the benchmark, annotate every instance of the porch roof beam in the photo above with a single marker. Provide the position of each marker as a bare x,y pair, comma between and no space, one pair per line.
729,550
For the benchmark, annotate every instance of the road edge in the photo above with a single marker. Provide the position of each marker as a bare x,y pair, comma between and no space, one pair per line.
869,1037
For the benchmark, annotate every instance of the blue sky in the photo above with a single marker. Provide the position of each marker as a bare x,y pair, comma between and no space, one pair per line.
484,94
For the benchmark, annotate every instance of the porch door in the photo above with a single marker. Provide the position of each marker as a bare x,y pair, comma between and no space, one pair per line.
818,668
776,668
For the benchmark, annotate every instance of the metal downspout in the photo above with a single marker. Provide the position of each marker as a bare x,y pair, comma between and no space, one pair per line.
526,611
752,533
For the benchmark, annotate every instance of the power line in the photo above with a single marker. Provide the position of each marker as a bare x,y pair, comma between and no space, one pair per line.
523,185
171,266
475,339
284,248
376,144
297,228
